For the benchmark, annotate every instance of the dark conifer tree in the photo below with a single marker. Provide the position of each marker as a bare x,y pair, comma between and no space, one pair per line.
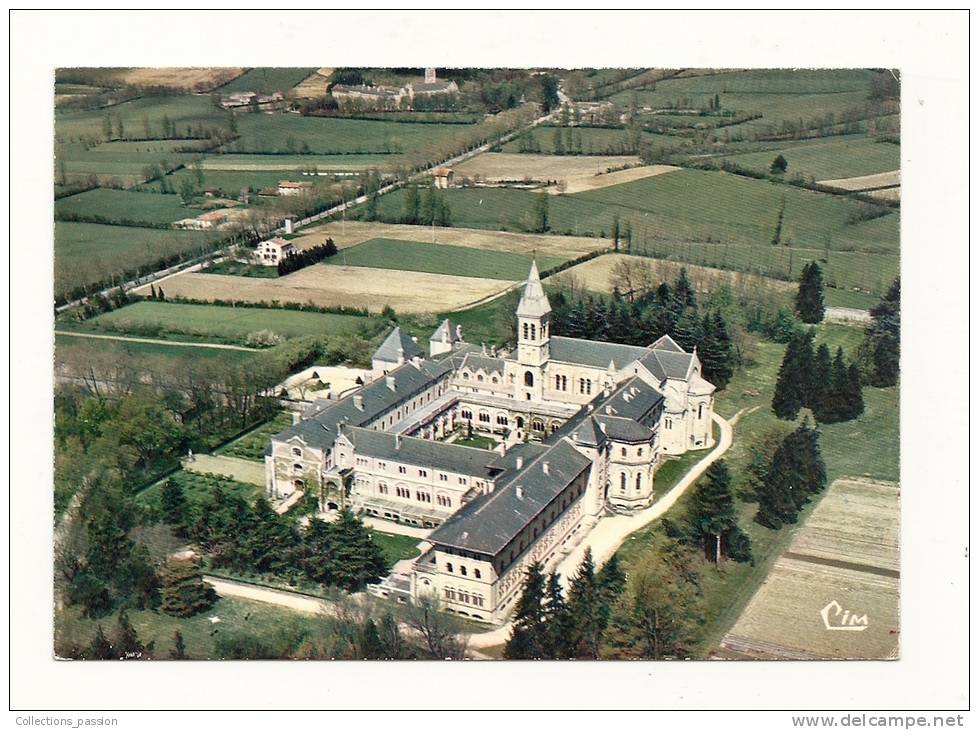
716,350
884,338
588,609
712,514
557,619
683,294
790,390
809,298
357,559
688,330
528,638
797,472
184,591
173,504
823,387
853,393
179,650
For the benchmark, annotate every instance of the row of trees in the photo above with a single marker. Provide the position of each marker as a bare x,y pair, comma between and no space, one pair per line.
667,310
422,206
546,625
831,388
787,480
307,257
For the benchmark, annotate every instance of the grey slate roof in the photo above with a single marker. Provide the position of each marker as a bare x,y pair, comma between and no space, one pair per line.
434,455
446,332
665,364
388,351
488,523
475,361
594,353
666,343
633,399
527,451
624,429
425,88
588,433
533,302
320,429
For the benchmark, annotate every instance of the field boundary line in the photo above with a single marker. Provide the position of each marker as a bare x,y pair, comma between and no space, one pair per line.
151,341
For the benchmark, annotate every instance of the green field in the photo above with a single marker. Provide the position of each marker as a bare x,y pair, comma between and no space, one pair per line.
386,253
237,268
594,140
827,158
708,218
125,161
288,133
267,80
152,209
323,163
86,253
775,94
151,357
218,323
182,110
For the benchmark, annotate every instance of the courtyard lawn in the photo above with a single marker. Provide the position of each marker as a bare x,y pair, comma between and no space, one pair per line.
395,547
104,205
386,253
217,323
252,445
292,133
477,442
87,253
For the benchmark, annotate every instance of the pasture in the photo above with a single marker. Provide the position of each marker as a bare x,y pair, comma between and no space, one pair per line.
387,253
187,110
126,162
129,206
831,157
87,253
292,133
349,286
708,218
593,141
217,323
848,552
321,163
492,166
267,80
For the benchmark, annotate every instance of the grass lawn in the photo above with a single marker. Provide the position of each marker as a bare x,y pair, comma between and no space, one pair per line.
151,357
846,298
267,80
199,487
386,253
125,205
230,183
235,616
217,323
322,163
252,444
237,268
705,217
85,253
287,133
477,442
827,159
867,446
395,547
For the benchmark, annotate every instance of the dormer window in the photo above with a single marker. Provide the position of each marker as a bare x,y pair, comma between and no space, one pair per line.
296,451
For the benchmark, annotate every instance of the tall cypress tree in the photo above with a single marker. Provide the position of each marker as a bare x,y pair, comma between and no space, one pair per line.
173,504
796,473
589,615
557,619
688,331
716,350
822,387
853,392
793,383
683,294
809,299
528,638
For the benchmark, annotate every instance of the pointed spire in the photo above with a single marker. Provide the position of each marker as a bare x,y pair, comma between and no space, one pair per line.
534,302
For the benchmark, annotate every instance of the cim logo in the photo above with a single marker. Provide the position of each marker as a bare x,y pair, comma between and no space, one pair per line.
836,618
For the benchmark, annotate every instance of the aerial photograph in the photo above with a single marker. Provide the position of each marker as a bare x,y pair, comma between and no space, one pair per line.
471,363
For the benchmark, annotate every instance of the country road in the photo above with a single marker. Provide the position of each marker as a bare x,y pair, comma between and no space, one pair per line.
123,338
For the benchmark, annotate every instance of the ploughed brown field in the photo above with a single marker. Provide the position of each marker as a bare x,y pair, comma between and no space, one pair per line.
180,78
844,563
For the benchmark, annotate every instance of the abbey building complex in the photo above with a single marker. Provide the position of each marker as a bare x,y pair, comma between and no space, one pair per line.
510,456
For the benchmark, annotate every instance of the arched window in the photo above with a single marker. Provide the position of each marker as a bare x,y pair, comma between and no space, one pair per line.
296,451
638,482
526,329
528,379
700,411
479,378
622,482
462,569
533,332
465,376
448,567
476,573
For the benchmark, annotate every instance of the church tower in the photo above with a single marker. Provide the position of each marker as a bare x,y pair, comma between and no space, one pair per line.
533,336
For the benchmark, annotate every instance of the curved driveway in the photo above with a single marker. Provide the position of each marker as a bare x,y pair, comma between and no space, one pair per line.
611,531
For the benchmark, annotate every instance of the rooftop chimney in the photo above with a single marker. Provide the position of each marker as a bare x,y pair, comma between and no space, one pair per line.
520,462
391,383
603,427
359,402
397,441
401,356
546,467
519,492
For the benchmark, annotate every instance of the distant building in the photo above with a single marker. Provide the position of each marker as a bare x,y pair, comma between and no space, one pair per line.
288,187
432,85
245,98
205,221
374,97
443,177
271,252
